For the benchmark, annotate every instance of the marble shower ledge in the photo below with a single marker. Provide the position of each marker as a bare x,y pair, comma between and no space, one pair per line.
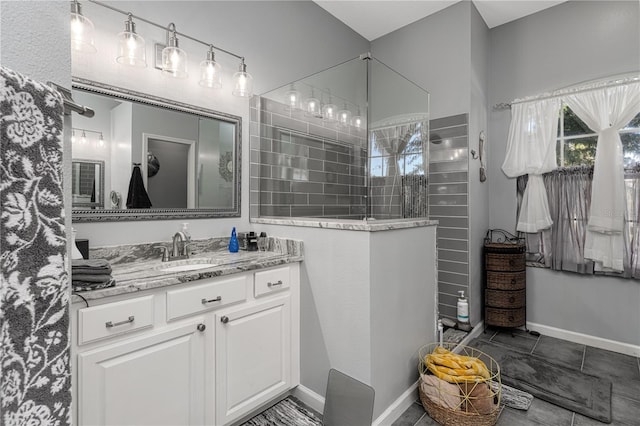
138,267
346,224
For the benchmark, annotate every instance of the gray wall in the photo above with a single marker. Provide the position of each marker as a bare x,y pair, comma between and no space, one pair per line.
567,44
478,191
433,52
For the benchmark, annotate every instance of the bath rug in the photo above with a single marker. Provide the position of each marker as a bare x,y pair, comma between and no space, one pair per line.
35,376
287,412
566,387
512,397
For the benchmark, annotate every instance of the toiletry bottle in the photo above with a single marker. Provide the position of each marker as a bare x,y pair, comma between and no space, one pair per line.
233,241
463,309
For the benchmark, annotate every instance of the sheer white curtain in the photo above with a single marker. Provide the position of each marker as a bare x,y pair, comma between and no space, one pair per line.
531,149
607,110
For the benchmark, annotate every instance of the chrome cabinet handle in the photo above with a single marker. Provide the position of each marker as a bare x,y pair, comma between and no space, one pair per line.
270,284
224,319
201,327
110,324
217,299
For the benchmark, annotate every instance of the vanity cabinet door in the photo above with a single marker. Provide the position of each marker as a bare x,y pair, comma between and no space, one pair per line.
156,379
253,356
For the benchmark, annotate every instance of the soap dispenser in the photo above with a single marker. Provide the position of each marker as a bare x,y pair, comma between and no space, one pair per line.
463,311
233,241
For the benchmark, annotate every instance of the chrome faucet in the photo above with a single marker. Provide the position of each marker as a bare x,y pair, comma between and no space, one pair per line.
177,252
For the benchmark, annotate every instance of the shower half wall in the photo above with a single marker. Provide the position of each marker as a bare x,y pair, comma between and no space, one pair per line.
349,142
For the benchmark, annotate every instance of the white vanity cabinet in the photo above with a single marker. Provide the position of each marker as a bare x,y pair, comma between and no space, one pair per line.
204,352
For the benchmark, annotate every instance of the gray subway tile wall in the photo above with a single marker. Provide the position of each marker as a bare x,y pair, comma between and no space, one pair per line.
448,203
308,168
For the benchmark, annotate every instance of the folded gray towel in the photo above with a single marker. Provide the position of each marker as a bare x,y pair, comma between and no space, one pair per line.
90,278
90,266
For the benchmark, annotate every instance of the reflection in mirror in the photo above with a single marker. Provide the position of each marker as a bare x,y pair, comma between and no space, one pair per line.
189,158
87,184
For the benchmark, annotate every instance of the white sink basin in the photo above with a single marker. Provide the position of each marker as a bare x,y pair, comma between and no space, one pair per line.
187,267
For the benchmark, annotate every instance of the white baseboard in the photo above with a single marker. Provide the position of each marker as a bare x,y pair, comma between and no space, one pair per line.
586,339
309,397
397,407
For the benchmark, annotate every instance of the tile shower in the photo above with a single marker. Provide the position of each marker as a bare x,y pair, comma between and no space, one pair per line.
304,166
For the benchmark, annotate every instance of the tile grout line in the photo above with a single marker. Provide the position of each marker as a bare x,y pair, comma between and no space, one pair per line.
584,355
573,418
421,417
535,345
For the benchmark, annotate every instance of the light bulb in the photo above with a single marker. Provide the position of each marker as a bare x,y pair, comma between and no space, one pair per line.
329,112
344,117
83,139
101,141
174,59
210,71
292,99
357,122
131,47
73,136
81,30
243,82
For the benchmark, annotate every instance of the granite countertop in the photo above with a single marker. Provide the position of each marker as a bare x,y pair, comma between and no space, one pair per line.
139,267
367,225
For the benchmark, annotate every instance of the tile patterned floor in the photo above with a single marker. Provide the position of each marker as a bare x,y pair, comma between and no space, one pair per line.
623,370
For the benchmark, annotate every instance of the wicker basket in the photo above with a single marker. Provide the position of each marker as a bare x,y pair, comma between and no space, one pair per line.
462,416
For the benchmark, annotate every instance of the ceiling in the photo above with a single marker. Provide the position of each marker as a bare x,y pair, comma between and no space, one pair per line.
375,18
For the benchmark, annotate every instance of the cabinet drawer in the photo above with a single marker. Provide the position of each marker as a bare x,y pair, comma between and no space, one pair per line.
506,280
112,319
505,298
204,297
505,262
505,317
271,281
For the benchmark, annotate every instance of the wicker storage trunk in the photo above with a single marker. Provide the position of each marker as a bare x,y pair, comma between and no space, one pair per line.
505,294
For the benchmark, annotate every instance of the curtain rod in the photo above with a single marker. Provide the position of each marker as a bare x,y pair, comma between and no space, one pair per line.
140,18
562,92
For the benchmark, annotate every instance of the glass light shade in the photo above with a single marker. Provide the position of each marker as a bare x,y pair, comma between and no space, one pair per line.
101,141
174,62
242,84
312,107
210,74
82,34
292,99
329,112
357,122
83,138
131,50
344,118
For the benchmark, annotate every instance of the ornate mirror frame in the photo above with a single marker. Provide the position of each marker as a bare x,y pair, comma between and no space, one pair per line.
105,215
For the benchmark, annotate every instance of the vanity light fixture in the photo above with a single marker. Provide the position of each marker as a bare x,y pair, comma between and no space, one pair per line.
242,82
81,30
131,47
101,141
73,136
292,98
210,71
83,139
174,59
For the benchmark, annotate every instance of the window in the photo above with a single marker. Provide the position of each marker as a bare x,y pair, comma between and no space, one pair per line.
568,189
577,142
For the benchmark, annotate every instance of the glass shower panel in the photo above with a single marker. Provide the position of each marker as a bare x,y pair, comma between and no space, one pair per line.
347,142
398,136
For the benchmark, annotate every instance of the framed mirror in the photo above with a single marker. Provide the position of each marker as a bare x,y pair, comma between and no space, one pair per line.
152,158
87,184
